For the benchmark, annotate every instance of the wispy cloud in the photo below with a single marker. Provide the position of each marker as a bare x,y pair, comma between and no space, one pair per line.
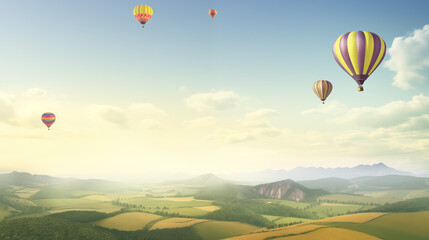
391,114
220,100
409,56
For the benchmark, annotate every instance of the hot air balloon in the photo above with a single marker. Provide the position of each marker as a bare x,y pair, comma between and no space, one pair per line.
359,53
48,119
322,89
143,13
212,13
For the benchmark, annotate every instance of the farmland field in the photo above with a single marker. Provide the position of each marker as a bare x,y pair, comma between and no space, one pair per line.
271,234
184,206
355,218
26,192
354,199
221,229
131,221
287,203
284,220
394,226
330,210
397,194
76,203
176,223
3,211
329,234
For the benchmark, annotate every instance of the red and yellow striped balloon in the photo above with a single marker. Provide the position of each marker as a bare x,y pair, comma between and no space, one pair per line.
212,13
322,89
48,119
143,13
359,53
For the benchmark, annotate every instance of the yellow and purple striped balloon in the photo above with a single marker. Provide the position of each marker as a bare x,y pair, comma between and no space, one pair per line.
359,53
48,119
322,89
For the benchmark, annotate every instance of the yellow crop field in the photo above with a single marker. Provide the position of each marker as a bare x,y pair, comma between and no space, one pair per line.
331,233
353,218
131,221
176,223
26,192
209,208
181,199
295,229
223,229
106,210
335,204
97,198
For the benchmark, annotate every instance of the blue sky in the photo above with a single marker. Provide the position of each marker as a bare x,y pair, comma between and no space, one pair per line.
83,58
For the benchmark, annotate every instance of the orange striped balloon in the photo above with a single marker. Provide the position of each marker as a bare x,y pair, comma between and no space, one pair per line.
212,13
322,89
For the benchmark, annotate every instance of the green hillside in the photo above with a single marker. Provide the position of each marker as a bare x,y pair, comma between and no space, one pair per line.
411,205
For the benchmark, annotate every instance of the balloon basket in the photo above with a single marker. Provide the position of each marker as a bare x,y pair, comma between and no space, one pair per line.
360,89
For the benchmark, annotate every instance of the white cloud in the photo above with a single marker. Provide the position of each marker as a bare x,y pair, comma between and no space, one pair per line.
409,56
135,115
331,106
109,114
183,89
35,92
7,110
220,100
260,113
201,122
146,109
391,114
253,126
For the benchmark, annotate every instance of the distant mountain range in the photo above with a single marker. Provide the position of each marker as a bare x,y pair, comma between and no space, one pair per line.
312,173
375,183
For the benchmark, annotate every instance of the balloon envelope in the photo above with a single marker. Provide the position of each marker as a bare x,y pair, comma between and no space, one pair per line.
322,89
359,53
48,119
143,13
212,13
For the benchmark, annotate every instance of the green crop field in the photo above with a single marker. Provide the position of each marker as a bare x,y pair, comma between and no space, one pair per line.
3,211
324,211
75,203
395,226
131,221
290,220
286,220
221,229
397,194
354,199
184,206
287,203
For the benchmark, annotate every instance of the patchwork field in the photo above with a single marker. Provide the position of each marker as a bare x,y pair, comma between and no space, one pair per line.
397,194
76,203
279,232
354,218
132,221
3,211
325,210
355,199
221,229
287,203
26,192
329,234
395,226
187,206
176,223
